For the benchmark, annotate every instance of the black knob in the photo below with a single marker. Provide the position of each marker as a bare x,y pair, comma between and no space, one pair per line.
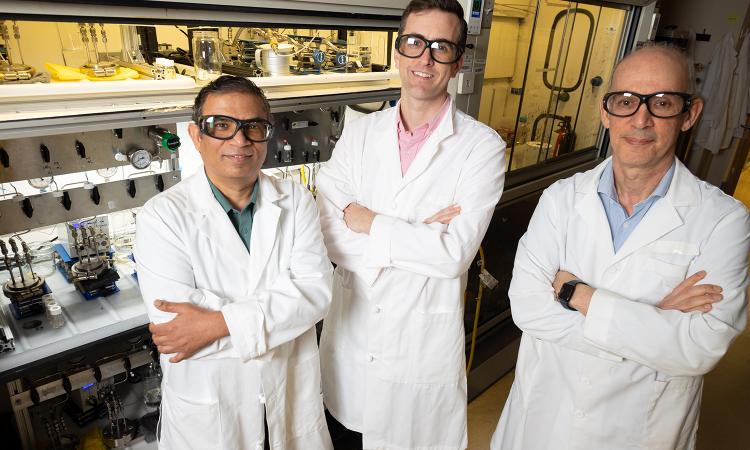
95,197
597,81
80,149
66,200
27,208
45,153
131,188
4,158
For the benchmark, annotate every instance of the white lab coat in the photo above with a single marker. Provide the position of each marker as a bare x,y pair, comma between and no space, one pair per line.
271,298
392,349
628,375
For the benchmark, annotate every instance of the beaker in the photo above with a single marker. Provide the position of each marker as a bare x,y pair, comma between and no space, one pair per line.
206,55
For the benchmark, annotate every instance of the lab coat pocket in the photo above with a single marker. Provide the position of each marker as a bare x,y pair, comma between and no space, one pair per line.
673,417
436,348
188,423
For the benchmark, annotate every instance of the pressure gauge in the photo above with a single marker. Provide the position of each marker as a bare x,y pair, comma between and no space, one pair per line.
107,172
40,183
140,158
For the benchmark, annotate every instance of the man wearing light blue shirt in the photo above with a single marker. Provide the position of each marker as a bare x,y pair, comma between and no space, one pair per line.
629,284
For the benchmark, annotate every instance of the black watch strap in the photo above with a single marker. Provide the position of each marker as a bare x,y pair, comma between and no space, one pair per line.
566,293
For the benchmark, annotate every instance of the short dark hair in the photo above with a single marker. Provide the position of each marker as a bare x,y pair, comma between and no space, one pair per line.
230,83
449,6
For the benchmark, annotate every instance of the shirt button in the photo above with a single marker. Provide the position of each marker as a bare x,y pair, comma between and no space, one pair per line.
371,358
580,414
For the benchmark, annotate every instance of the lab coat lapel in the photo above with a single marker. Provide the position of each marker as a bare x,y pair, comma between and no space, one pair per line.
663,215
217,226
265,230
589,207
429,149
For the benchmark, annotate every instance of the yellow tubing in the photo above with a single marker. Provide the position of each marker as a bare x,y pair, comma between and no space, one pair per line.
476,312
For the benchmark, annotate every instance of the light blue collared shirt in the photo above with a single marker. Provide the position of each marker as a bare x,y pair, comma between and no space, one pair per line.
620,225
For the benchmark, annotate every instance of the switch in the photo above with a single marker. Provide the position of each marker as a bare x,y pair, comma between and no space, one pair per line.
466,83
287,153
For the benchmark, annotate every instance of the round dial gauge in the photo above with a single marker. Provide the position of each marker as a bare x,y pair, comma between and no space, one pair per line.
40,183
107,172
140,158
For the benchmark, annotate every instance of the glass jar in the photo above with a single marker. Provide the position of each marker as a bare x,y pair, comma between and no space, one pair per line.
206,55
41,254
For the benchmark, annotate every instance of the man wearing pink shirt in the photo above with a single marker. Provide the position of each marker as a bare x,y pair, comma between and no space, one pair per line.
405,202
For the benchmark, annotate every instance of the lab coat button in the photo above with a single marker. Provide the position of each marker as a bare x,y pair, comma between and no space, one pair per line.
585,381
261,398
371,358
377,309
580,414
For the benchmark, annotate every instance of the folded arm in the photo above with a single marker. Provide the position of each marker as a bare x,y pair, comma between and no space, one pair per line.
272,315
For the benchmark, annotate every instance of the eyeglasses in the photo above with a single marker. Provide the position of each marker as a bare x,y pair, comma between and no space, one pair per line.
225,128
442,51
660,104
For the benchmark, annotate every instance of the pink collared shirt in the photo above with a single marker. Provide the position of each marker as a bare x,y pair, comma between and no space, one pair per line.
410,142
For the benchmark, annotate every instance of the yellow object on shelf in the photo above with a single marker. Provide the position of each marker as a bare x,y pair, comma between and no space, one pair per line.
65,73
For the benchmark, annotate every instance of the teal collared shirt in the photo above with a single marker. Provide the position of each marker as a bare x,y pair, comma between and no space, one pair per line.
241,220
620,224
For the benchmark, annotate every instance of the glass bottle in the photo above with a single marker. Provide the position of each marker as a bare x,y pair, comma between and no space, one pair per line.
206,55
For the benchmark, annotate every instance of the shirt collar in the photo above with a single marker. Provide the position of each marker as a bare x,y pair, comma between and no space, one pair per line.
607,184
429,125
225,205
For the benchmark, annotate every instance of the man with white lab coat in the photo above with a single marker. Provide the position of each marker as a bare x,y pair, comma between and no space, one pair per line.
405,201
234,274
616,335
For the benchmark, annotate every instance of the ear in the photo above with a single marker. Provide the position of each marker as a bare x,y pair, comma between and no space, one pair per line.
603,115
195,135
456,66
396,59
693,114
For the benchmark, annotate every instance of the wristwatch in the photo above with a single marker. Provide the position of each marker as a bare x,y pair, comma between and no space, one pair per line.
566,293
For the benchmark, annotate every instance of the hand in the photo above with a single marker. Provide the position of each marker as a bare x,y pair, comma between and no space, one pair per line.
192,329
688,296
358,218
561,278
445,215
581,297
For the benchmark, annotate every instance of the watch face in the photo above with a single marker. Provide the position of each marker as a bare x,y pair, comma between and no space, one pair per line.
566,291
40,183
140,159
107,172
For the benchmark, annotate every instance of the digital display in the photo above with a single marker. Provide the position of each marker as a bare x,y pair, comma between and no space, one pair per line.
476,8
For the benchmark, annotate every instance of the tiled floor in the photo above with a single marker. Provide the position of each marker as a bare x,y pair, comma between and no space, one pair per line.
725,412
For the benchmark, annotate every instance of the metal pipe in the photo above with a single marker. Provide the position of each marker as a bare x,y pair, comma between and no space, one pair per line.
17,257
4,250
27,255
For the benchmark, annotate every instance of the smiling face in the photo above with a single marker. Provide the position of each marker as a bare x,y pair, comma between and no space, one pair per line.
237,161
422,79
641,140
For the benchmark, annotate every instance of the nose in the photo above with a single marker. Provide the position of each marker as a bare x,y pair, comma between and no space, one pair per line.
240,139
426,57
642,117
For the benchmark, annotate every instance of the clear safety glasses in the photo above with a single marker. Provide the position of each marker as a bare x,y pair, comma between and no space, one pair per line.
660,104
442,51
225,128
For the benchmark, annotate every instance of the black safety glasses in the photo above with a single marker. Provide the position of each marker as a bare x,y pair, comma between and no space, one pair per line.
225,128
441,50
663,105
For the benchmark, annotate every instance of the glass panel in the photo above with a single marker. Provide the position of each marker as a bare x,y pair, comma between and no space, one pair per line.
547,67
